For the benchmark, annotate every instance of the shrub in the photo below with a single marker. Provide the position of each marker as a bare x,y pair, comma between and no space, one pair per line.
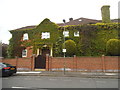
113,47
70,46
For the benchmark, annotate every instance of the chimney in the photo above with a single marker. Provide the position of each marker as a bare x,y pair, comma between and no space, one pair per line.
70,19
105,14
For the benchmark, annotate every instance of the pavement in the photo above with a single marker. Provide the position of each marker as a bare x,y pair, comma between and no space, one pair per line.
70,74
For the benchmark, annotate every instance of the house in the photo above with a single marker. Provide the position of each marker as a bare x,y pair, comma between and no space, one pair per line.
44,38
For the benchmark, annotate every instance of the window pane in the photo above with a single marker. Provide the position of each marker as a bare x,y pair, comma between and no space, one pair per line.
24,53
45,35
25,36
76,34
66,33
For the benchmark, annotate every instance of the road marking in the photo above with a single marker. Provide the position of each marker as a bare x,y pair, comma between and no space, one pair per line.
27,72
110,74
19,87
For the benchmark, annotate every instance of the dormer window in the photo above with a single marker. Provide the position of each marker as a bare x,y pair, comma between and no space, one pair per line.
66,33
76,34
25,36
45,35
80,20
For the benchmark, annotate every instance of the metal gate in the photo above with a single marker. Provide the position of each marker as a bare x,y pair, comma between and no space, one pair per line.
40,60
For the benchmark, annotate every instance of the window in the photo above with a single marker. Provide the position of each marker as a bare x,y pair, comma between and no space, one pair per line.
24,53
80,20
66,33
45,35
76,34
25,36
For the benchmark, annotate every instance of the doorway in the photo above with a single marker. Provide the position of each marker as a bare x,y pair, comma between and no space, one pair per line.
40,60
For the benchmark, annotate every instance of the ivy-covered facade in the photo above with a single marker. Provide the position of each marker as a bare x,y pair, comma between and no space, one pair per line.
48,38
90,39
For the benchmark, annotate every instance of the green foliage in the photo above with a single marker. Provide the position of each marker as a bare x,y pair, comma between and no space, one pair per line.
16,45
10,49
70,47
88,34
113,47
4,50
45,26
91,42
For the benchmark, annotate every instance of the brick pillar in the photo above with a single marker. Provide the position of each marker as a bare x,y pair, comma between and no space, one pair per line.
16,62
47,62
50,63
33,62
75,63
103,63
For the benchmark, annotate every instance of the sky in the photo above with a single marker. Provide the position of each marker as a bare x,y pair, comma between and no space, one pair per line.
20,13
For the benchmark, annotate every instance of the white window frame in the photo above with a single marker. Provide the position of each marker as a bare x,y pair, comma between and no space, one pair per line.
76,34
66,33
45,35
25,36
24,53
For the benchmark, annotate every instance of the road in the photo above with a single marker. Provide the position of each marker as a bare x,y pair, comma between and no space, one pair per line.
57,82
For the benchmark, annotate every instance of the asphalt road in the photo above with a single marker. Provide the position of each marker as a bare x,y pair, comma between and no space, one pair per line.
57,82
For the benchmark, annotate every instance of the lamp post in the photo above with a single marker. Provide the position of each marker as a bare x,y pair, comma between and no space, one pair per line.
64,50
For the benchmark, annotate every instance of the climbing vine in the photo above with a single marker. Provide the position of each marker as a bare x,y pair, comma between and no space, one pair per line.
91,41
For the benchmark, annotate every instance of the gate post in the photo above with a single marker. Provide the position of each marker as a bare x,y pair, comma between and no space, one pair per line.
103,63
16,62
75,63
47,62
33,62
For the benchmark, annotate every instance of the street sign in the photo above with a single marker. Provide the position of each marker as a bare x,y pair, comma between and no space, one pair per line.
64,50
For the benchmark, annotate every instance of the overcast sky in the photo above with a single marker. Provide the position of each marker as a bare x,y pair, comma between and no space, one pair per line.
19,13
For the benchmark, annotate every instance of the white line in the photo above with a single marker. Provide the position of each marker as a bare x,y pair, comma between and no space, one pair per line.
27,72
19,87
110,74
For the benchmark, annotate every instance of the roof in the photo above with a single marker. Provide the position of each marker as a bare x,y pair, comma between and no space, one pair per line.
78,21
81,21
115,20
27,27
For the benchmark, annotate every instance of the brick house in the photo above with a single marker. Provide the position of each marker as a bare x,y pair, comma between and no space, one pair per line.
40,39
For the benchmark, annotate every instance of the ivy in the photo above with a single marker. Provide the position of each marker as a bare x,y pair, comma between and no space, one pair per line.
91,42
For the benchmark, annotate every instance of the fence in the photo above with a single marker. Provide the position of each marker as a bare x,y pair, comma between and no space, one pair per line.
21,63
92,64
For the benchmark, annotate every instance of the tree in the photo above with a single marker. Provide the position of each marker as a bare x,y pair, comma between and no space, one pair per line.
4,50
70,47
113,47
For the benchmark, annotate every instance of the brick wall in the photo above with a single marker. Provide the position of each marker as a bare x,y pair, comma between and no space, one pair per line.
29,51
21,63
103,63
